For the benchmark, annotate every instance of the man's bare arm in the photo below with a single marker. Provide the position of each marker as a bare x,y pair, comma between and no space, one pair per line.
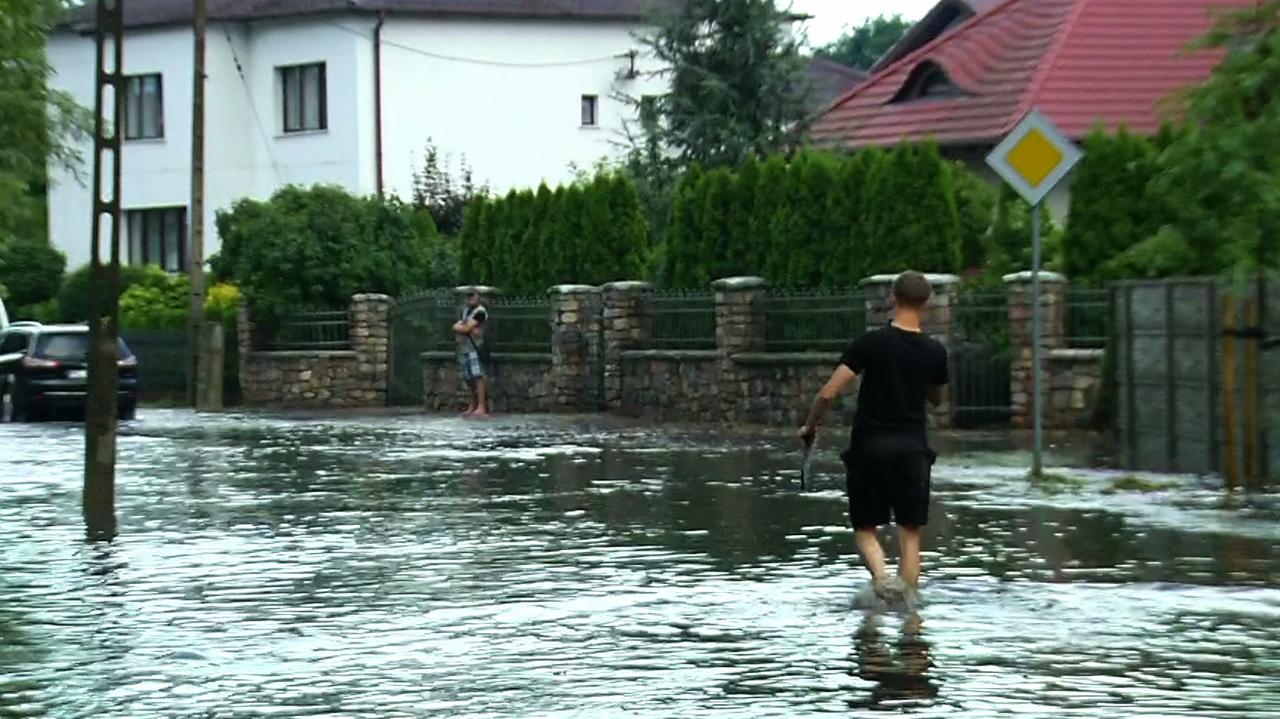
465,328
841,378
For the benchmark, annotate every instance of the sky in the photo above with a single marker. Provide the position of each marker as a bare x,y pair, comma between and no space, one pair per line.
830,17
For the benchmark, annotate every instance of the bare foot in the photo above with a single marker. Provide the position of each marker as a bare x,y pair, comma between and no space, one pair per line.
479,414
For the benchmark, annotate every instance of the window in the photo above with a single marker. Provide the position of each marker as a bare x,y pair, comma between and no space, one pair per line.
13,343
305,101
143,108
590,110
158,237
928,81
71,347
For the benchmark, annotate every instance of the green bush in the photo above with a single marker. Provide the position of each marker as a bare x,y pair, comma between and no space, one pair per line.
30,272
309,248
1110,209
73,297
159,301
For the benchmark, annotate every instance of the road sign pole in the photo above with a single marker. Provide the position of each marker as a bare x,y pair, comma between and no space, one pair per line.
1037,324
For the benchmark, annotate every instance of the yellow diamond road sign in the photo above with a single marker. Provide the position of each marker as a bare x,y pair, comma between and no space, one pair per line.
1035,157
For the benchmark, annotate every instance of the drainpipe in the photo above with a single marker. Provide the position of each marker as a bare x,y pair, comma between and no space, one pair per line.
377,97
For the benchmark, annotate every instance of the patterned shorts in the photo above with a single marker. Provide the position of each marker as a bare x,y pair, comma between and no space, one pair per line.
472,369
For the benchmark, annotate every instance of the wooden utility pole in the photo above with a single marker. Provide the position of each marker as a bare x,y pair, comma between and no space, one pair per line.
195,334
99,502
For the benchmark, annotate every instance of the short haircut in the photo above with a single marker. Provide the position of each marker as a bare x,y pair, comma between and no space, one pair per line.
912,289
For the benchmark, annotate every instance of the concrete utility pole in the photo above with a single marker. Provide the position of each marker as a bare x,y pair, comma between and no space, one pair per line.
195,335
104,280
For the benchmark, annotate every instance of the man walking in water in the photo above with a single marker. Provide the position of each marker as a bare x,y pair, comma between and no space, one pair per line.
471,355
889,461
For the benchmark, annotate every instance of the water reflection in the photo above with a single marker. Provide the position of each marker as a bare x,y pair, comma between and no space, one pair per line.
899,671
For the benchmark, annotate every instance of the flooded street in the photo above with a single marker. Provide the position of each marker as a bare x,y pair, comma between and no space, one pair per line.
403,566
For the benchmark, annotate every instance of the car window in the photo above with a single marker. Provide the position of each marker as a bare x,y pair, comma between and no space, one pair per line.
13,342
70,347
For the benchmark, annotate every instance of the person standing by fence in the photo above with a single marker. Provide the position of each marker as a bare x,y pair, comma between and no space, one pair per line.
888,463
472,356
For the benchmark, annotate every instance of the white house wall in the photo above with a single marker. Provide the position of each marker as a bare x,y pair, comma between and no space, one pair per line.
517,126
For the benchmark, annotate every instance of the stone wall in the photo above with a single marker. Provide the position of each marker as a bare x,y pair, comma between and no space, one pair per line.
518,383
1053,305
343,378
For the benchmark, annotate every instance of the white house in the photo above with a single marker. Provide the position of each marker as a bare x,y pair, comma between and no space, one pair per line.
348,92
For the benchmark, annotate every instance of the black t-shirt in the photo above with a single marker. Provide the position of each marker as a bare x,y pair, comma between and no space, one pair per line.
897,369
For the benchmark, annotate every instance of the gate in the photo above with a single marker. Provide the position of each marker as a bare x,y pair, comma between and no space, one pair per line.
420,323
981,360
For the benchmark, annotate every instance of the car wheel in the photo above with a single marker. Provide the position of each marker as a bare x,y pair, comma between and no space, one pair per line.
127,412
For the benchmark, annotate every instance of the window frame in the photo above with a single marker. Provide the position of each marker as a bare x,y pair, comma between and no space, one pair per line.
130,133
595,110
298,71
148,218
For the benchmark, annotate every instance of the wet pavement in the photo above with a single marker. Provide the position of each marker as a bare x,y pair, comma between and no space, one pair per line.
401,566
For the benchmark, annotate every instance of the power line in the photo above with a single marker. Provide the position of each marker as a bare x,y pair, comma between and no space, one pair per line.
477,61
262,131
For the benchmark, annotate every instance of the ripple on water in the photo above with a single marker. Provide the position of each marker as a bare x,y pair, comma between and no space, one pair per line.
530,567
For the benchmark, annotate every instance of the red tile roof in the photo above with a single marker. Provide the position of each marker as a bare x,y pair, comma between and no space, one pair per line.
1081,61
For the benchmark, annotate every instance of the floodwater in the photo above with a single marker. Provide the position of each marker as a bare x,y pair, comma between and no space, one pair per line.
401,566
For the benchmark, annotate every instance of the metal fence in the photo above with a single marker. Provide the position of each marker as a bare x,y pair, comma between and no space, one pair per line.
684,321
1089,318
420,322
981,359
302,331
813,321
519,324
162,362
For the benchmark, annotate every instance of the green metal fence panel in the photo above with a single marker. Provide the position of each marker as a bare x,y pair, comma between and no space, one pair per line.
420,322
322,330
162,362
519,324
981,360
683,321
1089,317
813,321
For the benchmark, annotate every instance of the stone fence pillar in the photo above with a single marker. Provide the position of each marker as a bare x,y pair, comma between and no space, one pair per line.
1053,305
740,314
626,324
939,320
370,339
740,327
573,322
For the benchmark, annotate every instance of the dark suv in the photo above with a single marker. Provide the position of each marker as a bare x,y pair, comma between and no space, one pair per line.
44,371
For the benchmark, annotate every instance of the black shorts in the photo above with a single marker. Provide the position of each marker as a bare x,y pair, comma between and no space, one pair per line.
888,477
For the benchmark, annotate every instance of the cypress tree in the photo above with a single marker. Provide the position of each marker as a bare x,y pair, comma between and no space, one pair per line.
551,241
714,228
813,228
570,229
685,221
847,207
742,253
789,232
599,237
768,201
631,254
535,241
